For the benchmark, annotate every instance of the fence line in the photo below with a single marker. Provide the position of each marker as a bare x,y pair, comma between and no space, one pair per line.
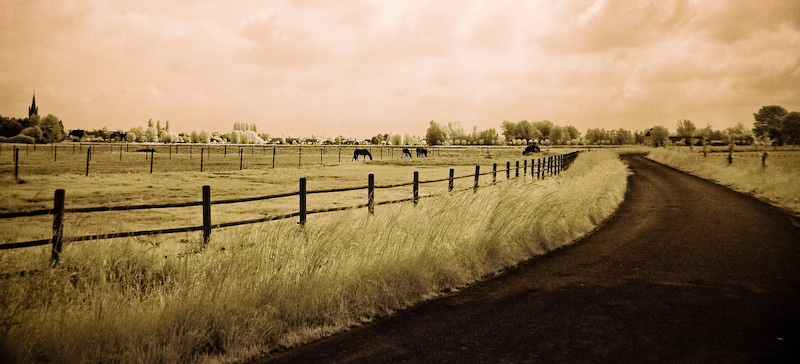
552,166
149,149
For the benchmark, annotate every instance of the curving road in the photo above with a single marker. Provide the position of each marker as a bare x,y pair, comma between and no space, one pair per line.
686,271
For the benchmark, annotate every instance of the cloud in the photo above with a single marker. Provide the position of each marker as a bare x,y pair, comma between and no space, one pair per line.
339,67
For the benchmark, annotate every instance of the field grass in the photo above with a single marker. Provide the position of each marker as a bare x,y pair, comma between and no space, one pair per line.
111,185
257,288
777,182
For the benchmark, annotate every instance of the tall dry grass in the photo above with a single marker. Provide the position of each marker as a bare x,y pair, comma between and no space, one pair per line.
777,182
258,288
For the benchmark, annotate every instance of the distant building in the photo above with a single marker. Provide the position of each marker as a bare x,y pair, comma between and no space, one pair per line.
33,110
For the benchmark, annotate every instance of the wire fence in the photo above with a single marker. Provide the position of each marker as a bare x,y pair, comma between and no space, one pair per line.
539,168
93,158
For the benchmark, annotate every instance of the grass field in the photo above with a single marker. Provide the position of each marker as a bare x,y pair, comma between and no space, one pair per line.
777,182
260,287
110,186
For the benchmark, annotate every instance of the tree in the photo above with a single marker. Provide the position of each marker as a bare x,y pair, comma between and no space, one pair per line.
52,129
9,127
658,135
738,133
34,132
685,128
435,134
768,122
791,128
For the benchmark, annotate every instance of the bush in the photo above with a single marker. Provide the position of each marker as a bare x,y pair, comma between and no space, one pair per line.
34,132
18,139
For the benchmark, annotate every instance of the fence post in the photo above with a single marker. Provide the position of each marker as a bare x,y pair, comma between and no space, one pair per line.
206,213
477,176
225,153
320,157
58,227
55,153
371,194
524,167
416,187
340,154
450,182
241,157
302,195
273,157
88,157
120,153
16,162
201,160
152,155
508,170
190,151
299,156
516,169
494,171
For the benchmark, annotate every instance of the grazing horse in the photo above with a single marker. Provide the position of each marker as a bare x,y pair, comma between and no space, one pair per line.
422,152
406,153
531,148
363,152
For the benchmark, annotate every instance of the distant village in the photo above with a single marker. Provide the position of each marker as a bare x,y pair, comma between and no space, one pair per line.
773,125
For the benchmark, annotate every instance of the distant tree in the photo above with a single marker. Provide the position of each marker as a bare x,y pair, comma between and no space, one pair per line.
596,135
623,137
791,128
685,128
150,123
52,129
487,137
34,132
768,122
151,134
9,127
638,137
436,134
658,135
572,132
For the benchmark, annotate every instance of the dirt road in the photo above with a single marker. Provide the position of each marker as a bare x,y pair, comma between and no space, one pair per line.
686,271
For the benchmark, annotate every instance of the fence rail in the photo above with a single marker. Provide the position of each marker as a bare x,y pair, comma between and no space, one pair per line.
546,166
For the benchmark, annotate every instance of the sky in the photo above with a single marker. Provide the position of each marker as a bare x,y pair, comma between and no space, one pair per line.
347,67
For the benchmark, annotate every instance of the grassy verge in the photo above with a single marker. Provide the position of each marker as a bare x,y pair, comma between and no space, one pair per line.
258,288
777,182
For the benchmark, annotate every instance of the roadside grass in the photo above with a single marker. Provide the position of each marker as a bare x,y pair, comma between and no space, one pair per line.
258,288
778,182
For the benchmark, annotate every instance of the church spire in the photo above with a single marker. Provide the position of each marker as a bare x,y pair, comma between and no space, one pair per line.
33,110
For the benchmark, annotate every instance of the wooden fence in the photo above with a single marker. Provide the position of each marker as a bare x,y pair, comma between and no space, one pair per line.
539,168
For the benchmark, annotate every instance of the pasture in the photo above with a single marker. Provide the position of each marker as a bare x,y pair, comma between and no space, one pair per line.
256,288
114,183
776,181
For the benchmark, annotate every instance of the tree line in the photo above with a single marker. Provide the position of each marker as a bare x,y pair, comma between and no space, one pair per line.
33,129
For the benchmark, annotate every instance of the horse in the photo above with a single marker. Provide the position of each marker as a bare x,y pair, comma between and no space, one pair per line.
406,153
531,148
359,152
422,152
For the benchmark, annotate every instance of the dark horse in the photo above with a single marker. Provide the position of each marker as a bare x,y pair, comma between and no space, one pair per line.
422,152
406,153
531,148
359,152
